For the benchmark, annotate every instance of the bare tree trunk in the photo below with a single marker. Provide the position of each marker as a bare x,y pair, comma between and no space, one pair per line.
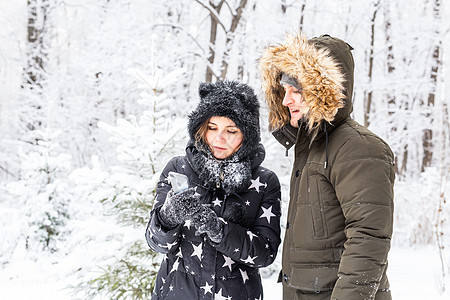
441,216
230,37
36,48
212,38
369,94
390,95
435,68
36,55
302,16
283,6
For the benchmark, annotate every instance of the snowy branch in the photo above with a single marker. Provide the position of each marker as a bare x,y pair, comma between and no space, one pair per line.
213,13
184,31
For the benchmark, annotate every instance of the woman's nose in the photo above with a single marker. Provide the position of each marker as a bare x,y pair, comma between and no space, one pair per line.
220,137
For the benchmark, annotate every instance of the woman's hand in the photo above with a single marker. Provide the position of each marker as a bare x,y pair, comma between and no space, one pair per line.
206,221
179,207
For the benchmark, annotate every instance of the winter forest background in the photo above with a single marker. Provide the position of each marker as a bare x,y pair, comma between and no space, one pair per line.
94,96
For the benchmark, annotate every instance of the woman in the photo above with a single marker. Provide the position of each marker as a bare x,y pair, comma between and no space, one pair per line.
217,233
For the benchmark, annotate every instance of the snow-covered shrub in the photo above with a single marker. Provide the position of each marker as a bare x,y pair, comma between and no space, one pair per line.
42,193
127,191
417,208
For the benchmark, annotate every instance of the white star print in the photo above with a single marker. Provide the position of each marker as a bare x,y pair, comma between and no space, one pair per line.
219,296
267,213
179,254
251,235
223,220
217,202
255,184
249,260
207,288
187,224
175,265
170,245
244,275
236,250
247,203
228,262
197,251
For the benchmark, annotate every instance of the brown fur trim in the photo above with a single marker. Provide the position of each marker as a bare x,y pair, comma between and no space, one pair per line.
317,72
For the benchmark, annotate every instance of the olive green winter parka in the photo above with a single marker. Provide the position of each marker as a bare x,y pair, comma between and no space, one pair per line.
340,215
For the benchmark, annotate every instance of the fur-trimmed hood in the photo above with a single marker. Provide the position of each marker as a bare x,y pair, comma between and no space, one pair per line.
323,66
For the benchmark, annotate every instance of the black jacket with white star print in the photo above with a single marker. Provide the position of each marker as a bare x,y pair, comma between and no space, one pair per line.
196,268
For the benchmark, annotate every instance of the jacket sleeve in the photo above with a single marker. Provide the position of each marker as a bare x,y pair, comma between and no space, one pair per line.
256,246
363,178
159,238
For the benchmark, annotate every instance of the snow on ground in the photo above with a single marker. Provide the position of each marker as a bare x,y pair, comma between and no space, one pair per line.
414,273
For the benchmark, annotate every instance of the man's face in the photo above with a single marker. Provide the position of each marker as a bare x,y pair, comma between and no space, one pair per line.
294,101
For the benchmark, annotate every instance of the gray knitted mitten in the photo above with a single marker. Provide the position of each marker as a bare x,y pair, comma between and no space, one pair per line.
179,207
206,221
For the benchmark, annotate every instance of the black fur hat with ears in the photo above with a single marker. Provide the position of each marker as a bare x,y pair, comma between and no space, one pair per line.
234,100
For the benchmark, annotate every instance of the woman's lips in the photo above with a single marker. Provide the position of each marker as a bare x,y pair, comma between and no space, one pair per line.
220,148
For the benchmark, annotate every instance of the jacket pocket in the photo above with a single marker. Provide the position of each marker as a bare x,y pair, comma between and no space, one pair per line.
313,278
315,197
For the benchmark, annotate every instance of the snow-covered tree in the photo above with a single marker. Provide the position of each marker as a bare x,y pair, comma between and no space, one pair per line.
144,145
42,193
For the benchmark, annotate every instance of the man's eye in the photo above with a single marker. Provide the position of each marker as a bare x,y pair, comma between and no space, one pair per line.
297,92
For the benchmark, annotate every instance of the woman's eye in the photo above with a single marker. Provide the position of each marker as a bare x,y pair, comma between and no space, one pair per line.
297,92
212,128
232,132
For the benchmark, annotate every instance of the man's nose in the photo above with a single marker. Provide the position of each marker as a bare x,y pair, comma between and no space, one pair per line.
287,100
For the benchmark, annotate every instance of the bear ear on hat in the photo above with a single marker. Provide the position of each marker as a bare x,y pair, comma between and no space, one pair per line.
204,89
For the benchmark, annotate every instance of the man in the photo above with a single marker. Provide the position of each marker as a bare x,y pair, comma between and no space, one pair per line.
340,214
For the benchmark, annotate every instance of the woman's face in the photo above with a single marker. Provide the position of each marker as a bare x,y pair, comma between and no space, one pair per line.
223,137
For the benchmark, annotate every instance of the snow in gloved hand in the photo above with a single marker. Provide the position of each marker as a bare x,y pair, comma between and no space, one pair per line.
179,207
206,221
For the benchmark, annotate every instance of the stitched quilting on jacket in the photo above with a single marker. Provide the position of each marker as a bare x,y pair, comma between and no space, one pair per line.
193,267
